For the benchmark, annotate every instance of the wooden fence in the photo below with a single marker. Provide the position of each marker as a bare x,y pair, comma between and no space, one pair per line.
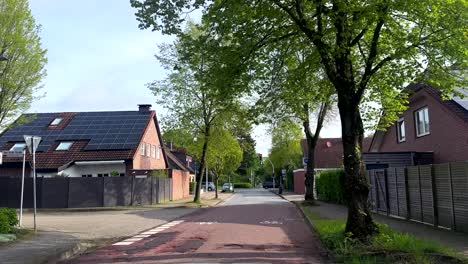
434,194
86,192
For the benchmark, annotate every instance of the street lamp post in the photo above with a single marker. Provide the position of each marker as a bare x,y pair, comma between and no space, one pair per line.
273,173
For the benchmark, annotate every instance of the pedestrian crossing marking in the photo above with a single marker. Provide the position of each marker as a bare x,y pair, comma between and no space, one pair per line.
147,233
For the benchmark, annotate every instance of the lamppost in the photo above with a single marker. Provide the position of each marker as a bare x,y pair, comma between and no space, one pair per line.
273,173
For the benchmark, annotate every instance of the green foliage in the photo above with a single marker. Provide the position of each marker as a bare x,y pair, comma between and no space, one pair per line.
330,186
192,187
387,246
159,174
114,173
8,220
20,43
286,149
242,185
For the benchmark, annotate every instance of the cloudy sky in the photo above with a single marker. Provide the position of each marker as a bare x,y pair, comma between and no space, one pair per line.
100,60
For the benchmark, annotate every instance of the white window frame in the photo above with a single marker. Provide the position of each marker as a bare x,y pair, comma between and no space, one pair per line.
148,150
142,149
56,121
425,115
401,138
158,153
16,147
68,145
153,152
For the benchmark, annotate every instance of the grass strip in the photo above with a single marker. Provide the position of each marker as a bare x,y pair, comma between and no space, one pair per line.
388,246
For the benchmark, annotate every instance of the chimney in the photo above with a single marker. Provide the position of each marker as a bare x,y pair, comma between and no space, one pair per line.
144,107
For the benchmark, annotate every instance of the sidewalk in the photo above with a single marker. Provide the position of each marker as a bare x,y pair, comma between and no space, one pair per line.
455,240
64,233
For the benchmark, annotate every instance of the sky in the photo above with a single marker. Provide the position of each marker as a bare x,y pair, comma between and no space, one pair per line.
98,59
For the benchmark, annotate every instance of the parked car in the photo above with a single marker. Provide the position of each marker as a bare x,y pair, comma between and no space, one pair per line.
268,184
228,187
211,186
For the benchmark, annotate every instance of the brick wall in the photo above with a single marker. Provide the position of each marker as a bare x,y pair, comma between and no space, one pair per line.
448,137
149,163
180,184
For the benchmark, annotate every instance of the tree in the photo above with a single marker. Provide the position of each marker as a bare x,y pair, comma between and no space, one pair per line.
285,149
22,72
224,155
368,49
194,92
295,87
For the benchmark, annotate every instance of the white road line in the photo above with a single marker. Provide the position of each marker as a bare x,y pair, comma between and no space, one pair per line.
147,233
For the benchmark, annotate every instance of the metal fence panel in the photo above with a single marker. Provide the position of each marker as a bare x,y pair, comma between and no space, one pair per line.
55,192
85,192
117,191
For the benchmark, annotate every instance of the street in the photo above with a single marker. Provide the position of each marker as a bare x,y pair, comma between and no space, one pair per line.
253,226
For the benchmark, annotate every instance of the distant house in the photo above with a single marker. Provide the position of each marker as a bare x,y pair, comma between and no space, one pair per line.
328,156
87,144
430,131
179,159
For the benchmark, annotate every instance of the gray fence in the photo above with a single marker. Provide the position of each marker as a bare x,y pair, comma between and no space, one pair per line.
86,192
434,194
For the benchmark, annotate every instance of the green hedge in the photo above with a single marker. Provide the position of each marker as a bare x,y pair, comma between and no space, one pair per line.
192,187
242,185
330,186
8,220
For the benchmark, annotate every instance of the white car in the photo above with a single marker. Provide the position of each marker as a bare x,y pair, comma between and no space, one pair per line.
211,186
228,187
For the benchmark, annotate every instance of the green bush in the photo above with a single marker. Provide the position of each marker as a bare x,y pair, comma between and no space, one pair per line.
8,219
242,185
192,187
330,186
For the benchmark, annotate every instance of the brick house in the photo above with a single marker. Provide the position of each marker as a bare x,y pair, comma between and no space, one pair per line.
87,144
328,156
430,131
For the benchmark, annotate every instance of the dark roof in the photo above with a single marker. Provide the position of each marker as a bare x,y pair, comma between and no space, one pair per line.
329,151
96,136
177,160
120,130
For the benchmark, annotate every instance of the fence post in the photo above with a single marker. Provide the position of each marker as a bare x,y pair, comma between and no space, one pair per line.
420,194
132,191
387,196
104,191
152,188
435,212
407,194
376,191
454,226
396,189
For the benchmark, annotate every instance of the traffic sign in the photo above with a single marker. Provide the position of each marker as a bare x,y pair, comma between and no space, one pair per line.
32,142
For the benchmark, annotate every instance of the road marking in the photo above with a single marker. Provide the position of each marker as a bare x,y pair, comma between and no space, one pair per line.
207,223
271,223
147,233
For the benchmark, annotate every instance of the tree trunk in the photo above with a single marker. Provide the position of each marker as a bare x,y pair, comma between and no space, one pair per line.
216,187
197,197
359,223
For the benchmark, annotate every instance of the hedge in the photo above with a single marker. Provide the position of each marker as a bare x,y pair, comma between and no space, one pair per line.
192,187
242,185
330,186
8,220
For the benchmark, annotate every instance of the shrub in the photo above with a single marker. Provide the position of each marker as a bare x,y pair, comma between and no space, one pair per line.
242,185
8,219
192,187
330,186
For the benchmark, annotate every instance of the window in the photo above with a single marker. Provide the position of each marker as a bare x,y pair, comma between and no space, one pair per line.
64,146
56,121
153,152
143,146
86,175
158,153
401,130
18,147
103,175
122,174
421,118
148,150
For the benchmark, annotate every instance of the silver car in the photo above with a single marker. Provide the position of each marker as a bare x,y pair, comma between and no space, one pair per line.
228,187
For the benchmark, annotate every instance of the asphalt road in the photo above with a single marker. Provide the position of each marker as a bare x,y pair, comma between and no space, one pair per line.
254,226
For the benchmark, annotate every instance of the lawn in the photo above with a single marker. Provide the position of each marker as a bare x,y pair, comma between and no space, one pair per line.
388,246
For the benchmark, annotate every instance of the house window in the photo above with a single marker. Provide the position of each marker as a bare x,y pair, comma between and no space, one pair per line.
153,152
64,146
148,150
103,175
122,174
86,175
401,130
56,121
18,147
158,153
421,118
143,151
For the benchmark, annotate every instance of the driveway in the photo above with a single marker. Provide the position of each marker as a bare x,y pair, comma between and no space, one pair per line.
104,224
253,226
